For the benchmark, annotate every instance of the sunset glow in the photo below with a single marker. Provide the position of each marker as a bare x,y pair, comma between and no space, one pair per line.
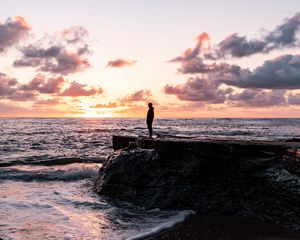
96,60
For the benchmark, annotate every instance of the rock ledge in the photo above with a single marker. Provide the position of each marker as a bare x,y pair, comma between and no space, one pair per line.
233,178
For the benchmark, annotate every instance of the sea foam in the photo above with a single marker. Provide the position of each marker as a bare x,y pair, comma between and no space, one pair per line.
180,217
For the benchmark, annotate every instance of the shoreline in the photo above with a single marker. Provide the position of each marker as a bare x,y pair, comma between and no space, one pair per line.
215,227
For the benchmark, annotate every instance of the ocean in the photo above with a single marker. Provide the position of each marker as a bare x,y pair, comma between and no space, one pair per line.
47,169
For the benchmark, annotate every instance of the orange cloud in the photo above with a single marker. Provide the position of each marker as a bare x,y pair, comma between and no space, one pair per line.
121,63
138,96
42,85
10,89
78,90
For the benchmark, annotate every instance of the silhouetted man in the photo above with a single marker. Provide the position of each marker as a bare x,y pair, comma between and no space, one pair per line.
150,116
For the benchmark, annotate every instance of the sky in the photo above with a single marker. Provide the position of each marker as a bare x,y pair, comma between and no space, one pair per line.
93,58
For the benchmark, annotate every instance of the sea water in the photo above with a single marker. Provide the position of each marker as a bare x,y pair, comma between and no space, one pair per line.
48,166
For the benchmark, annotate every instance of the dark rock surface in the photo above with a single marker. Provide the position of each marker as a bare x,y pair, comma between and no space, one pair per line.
120,142
232,178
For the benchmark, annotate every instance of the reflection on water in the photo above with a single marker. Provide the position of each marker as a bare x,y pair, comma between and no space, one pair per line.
47,167
58,203
48,210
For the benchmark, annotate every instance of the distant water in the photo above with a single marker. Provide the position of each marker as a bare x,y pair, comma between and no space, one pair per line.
47,167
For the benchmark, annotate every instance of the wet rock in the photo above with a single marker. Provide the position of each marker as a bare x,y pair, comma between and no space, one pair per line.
212,177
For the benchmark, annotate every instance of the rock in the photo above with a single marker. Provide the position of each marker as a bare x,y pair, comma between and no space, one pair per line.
291,160
120,142
212,177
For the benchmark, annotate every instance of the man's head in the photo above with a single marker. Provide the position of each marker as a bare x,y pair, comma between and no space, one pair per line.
150,105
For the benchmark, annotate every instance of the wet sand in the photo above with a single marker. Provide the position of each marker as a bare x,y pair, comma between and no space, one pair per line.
225,228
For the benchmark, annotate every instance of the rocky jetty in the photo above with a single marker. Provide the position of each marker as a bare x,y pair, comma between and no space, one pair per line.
231,178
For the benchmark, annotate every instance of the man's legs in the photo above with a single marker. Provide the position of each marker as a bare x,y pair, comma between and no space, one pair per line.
149,124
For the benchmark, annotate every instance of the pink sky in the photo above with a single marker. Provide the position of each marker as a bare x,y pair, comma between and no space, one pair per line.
189,59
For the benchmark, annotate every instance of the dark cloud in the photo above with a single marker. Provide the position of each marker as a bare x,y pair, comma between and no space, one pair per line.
12,31
285,34
65,53
120,62
212,92
109,105
45,85
78,90
265,86
258,98
280,73
138,96
236,46
198,89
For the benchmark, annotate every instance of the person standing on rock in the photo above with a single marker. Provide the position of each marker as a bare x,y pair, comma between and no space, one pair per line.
150,117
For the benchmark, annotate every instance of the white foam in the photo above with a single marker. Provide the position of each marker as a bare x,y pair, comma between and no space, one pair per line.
75,171
180,217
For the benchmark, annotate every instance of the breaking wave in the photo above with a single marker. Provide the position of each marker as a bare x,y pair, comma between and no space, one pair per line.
70,172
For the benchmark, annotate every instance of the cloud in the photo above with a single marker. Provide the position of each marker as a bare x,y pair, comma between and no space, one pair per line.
138,96
63,53
258,98
294,99
78,90
22,96
214,86
212,92
120,62
236,46
280,73
197,65
216,81
192,53
198,89
109,105
6,84
9,89
74,34
51,85
12,31
283,36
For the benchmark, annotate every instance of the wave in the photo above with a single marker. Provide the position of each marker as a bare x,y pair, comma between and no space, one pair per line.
71,172
50,161
180,217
